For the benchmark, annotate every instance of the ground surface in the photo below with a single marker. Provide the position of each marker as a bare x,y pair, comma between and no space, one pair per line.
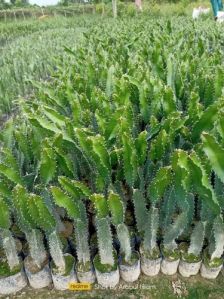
145,288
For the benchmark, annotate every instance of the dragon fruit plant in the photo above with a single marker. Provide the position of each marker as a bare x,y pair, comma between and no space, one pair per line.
69,198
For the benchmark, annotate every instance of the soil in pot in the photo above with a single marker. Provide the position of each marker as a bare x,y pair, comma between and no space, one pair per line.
150,261
189,264
61,280
210,268
11,281
107,275
85,272
38,276
130,270
170,261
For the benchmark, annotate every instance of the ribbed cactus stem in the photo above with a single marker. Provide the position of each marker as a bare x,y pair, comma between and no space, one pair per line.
216,246
151,230
36,246
197,239
104,237
56,251
82,245
9,246
124,239
174,231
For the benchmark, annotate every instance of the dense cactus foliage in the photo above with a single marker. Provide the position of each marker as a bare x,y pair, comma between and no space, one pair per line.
128,135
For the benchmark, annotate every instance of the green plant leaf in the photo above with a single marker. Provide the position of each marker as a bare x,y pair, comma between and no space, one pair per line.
100,204
47,165
64,201
215,154
116,208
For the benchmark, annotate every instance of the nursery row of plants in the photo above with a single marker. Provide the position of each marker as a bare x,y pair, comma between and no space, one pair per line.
125,142
29,52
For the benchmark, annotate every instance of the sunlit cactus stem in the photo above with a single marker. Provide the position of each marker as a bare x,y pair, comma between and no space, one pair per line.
116,208
6,238
9,246
103,229
56,251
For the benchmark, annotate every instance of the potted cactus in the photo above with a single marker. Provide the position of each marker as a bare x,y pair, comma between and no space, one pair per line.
33,212
129,262
212,262
190,261
150,253
12,276
63,264
170,251
105,261
77,212
37,262
149,220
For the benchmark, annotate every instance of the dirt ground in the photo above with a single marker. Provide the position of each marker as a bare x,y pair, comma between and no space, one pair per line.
145,288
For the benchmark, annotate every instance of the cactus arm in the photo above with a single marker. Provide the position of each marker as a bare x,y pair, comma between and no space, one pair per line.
140,209
201,183
129,159
56,251
47,165
174,231
104,237
151,230
141,147
159,184
54,116
9,246
10,173
100,204
36,246
64,201
20,201
110,81
43,218
168,207
215,154
197,239
5,222
74,188
99,148
8,241
116,208
124,239
82,246
158,146
117,211
206,121
217,246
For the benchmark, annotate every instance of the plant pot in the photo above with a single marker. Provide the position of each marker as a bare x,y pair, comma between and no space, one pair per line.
169,267
150,267
106,279
13,283
150,262
39,277
61,281
85,273
88,276
210,272
130,273
187,269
